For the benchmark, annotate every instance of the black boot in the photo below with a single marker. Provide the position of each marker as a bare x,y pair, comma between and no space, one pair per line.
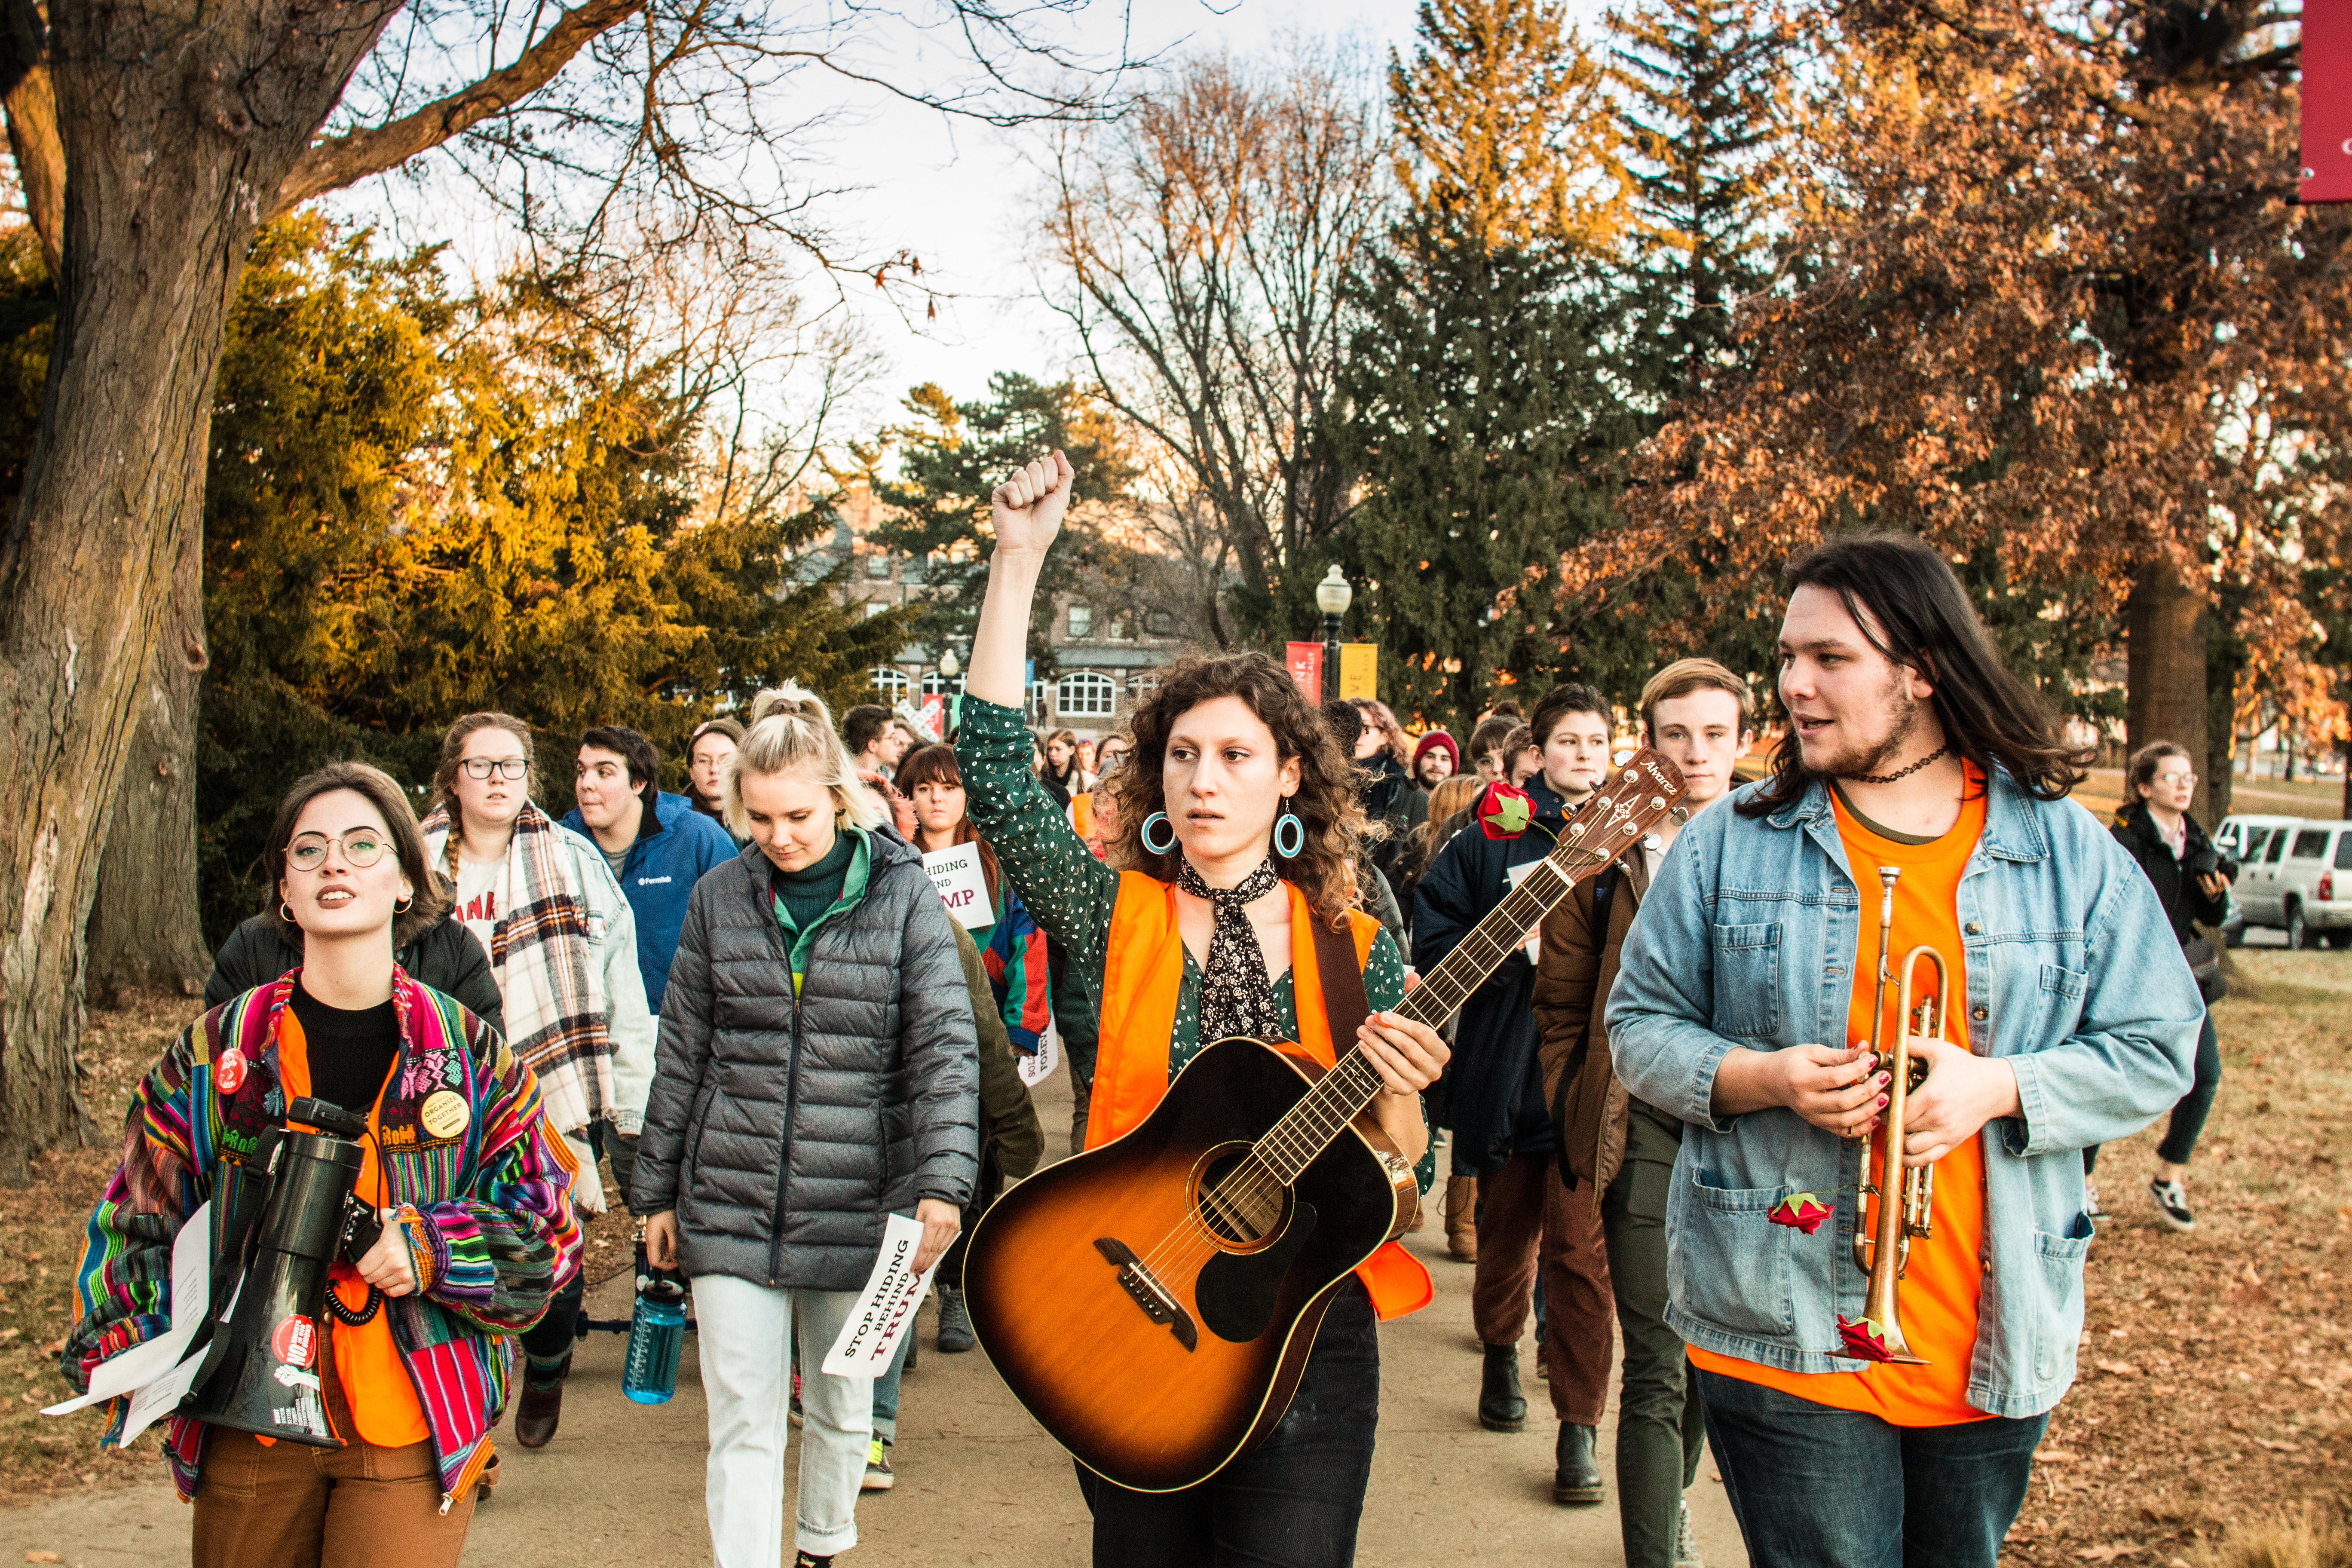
1576,1482
1501,1406
955,1322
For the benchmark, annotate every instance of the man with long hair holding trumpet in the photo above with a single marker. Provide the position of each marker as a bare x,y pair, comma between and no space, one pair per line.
1875,1381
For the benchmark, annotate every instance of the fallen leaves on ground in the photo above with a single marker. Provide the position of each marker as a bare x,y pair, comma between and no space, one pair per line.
2232,1403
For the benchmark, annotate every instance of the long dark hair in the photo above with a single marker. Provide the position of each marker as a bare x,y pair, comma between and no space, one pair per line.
1912,609
1325,804
935,762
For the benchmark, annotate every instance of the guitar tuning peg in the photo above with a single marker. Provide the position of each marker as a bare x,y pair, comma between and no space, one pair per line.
1680,815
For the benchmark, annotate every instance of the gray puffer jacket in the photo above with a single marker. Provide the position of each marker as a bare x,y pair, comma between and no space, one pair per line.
782,1131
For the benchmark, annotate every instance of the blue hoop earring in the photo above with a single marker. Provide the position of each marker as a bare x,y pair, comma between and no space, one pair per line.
1298,835
1144,833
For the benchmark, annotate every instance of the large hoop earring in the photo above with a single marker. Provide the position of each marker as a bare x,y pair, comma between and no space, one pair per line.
286,912
1296,830
402,906
1143,834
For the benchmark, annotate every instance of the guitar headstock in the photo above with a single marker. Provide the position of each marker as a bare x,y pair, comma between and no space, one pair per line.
1636,800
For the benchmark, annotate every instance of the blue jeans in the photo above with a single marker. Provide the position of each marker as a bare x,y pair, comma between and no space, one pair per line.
1294,1500
886,1392
1816,1486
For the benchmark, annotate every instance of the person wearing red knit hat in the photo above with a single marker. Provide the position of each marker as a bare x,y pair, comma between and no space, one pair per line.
1436,759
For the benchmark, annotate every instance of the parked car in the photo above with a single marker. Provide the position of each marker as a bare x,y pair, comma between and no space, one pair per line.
2246,839
2298,879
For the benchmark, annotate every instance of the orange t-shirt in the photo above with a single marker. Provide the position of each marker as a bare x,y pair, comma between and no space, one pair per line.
376,1384
1946,1273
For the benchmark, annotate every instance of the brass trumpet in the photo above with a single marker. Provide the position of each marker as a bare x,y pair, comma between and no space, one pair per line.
1882,1255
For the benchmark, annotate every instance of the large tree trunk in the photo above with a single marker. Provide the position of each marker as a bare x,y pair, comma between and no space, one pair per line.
2164,697
145,930
178,125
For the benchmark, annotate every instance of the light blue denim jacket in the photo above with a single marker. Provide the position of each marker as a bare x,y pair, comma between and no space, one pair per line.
1750,937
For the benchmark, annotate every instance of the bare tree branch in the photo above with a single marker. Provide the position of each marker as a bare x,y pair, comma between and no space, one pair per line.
344,160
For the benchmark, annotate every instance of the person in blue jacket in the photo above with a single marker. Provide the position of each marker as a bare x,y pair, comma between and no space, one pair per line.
659,847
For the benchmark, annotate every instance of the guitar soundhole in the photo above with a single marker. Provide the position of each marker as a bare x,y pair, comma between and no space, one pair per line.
1236,1200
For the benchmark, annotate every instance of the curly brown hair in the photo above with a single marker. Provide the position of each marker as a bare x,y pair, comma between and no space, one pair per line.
1326,802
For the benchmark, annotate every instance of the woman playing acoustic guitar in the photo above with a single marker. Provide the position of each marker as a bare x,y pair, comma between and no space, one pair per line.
1237,825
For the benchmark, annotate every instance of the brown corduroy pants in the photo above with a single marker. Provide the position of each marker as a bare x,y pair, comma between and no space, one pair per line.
285,1505
1527,1219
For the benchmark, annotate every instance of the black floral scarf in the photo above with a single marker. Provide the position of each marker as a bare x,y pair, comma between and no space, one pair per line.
1236,998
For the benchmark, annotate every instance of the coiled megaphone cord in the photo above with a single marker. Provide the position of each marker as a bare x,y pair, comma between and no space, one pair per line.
346,1316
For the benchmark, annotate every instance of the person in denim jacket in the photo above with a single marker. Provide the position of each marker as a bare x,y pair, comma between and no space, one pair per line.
1746,978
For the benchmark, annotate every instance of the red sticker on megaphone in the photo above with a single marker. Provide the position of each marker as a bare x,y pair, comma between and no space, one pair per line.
295,1341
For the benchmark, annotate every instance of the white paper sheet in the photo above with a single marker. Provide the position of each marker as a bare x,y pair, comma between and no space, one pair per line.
156,1362
886,1308
956,874
1038,1066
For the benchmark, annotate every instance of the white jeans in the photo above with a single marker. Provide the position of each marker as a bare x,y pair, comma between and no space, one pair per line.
745,1334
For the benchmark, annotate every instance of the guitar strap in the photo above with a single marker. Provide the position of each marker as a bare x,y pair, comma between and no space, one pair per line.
1344,1003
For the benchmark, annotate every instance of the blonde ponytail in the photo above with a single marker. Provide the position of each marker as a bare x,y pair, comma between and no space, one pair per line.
792,732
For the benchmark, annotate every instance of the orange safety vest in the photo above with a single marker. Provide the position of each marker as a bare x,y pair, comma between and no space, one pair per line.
1142,973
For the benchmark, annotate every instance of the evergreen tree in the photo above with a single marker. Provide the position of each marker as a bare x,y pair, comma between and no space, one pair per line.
1505,141
1703,87
950,455
1490,418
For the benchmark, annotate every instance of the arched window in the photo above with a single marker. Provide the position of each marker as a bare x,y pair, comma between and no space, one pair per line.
1086,695
890,684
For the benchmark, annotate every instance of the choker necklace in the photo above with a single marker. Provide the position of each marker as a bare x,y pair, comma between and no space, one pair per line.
1938,755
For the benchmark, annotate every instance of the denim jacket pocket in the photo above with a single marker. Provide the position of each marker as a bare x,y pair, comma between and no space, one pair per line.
2060,1325
1747,980
2066,982
1731,1261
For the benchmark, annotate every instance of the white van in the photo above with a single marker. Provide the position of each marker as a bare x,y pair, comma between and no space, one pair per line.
2298,879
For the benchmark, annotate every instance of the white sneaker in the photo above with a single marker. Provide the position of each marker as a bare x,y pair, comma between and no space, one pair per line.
2091,1205
2172,1204
1685,1543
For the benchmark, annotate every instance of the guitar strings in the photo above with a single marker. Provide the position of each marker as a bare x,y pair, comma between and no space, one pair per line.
1249,1199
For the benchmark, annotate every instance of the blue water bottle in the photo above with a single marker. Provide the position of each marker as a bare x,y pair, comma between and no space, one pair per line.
656,1331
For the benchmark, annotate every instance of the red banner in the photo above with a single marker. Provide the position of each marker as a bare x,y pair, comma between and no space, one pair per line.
1306,662
2328,100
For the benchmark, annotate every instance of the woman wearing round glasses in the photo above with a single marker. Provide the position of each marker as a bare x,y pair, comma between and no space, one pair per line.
563,949
1237,827
439,951
478,1229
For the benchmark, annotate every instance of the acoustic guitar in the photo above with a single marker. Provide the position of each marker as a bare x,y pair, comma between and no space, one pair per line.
1153,1302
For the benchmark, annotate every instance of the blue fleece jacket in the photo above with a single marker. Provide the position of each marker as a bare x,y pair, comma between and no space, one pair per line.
670,856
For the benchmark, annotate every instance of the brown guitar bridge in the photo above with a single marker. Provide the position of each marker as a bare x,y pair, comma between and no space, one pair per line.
1149,1293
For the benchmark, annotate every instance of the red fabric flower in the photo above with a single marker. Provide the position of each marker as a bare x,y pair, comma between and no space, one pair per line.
1863,1338
1802,1210
1505,811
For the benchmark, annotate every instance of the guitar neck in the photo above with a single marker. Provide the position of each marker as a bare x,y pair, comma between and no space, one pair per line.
1341,1094
1641,793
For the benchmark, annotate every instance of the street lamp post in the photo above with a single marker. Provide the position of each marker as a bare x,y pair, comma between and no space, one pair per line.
1333,595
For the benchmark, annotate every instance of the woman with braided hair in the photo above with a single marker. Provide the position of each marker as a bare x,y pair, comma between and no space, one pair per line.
1237,830
563,949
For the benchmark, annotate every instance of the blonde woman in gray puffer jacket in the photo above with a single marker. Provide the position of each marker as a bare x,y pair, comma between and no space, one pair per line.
815,1073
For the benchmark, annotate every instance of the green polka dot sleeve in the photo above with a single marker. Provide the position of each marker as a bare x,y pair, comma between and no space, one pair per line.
1067,890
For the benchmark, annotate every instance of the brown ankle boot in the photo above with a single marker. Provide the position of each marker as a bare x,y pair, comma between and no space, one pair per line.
1461,1217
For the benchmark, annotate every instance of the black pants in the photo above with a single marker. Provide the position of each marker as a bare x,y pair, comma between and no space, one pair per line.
984,1191
1294,1500
2188,1113
1660,1429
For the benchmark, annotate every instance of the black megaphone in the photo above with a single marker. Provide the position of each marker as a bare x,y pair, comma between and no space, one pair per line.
262,1374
